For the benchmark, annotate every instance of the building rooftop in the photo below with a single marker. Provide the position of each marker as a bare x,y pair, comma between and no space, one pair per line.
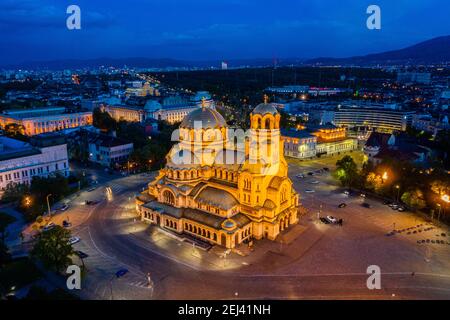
300,134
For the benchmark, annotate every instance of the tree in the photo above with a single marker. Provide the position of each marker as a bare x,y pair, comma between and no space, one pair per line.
414,199
53,248
346,171
374,182
14,192
103,120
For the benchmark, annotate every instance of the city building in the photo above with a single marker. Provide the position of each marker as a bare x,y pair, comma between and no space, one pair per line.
42,120
20,161
427,123
317,141
380,119
141,90
288,89
414,77
213,191
381,146
108,151
171,109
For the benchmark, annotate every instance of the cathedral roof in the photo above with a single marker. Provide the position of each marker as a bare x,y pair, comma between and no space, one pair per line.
209,119
265,108
217,197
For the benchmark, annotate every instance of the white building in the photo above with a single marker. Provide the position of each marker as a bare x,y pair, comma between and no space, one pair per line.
171,109
42,120
108,151
20,161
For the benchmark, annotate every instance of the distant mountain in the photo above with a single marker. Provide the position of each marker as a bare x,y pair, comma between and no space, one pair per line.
430,51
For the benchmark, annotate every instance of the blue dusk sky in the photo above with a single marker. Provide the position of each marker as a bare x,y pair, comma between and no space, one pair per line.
213,29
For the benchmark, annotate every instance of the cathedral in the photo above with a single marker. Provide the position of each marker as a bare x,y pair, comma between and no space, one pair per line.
221,185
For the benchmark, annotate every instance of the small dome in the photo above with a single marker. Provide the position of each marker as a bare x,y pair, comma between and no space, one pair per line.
229,224
209,118
265,108
152,105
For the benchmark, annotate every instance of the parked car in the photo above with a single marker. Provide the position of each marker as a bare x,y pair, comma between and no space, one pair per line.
121,273
401,209
49,226
300,176
366,205
66,224
314,182
394,207
91,202
81,254
342,205
324,220
331,219
310,173
73,240
64,207
326,169
347,192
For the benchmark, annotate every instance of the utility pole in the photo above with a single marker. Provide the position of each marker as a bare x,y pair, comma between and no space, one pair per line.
48,204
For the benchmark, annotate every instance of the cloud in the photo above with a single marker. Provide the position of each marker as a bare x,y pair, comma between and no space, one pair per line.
19,15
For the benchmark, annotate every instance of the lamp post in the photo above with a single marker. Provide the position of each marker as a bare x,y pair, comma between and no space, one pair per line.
398,192
48,204
439,211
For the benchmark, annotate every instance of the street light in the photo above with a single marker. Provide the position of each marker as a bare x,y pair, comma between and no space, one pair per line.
446,198
439,212
48,204
27,201
398,191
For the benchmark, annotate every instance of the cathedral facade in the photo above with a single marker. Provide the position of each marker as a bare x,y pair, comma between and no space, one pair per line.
223,186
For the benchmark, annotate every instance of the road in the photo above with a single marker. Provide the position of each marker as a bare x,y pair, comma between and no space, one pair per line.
322,262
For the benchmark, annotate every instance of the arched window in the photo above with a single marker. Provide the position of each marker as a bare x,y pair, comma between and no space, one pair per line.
168,197
268,124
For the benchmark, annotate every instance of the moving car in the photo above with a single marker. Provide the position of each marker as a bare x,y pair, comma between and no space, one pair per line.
326,169
309,191
91,202
310,173
366,205
331,219
314,182
362,195
347,192
64,207
66,224
91,189
73,240
342,205
300,176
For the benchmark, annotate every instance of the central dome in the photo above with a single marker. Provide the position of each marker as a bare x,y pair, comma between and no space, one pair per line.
209,118
265,108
